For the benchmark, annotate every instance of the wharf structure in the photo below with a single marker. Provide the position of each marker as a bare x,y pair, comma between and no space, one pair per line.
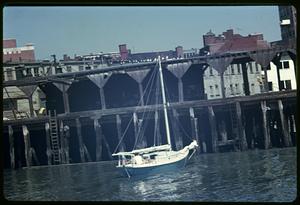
87,111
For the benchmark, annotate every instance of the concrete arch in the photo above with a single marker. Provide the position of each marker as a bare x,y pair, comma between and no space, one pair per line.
118,95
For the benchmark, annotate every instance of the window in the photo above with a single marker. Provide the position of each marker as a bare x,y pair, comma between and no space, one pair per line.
210,71
237,88
9,74
69,68
217,90
270,85
232,69
28,72
88,68
58,70
250,67
252,88
9,104
231,89
288,85
36,71
286,64
211,91
80,67
95,66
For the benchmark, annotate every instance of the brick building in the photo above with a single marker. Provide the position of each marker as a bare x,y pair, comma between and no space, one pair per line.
12,53
229,42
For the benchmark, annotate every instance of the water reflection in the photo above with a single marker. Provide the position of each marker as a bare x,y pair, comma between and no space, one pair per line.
259,175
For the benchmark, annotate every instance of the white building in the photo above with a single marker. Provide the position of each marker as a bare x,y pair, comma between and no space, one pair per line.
233,81
286,73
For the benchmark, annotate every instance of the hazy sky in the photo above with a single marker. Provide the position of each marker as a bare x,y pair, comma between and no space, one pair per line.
83,30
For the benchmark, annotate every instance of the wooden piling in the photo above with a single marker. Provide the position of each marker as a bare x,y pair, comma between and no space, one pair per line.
241,128
265,124
27,145
213,128
82,148
254,139
67,137
48,143
194,125
285,133
141,93
11,147
98,131
119,132
177,133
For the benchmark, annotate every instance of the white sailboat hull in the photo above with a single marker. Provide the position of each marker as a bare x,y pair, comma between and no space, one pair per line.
163,161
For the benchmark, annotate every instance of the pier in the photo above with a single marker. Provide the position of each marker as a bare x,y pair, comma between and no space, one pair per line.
88,111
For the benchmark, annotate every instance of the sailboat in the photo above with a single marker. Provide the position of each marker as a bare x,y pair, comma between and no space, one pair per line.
156,158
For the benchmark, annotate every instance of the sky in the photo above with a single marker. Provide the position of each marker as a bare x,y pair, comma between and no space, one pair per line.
85,30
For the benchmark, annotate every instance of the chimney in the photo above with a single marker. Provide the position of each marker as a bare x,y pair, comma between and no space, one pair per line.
179,51
123,51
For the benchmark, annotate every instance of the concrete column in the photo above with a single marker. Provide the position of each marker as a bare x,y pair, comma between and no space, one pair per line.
11,147
180,90
245,79
48,151
65,98
265,124
102,98
286,135
98,131
213,128
141,93
241,128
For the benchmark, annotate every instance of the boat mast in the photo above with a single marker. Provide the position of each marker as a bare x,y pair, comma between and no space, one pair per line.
164,103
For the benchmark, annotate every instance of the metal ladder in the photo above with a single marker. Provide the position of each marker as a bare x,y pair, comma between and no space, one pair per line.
54,137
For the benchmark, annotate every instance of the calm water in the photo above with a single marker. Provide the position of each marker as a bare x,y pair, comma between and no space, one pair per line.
257,175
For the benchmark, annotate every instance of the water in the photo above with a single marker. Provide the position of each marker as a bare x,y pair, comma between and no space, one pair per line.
256,176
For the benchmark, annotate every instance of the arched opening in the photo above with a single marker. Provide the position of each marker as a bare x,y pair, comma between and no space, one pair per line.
121,91
84,95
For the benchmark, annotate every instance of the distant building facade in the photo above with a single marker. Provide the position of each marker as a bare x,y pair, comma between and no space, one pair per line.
12,53
228,42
